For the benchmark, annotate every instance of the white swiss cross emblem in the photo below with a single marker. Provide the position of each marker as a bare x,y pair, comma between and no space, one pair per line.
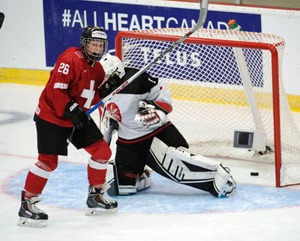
88,94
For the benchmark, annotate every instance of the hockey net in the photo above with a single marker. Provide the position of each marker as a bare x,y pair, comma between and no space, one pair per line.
224,83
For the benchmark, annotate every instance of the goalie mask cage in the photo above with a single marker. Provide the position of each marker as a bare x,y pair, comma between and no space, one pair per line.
222,81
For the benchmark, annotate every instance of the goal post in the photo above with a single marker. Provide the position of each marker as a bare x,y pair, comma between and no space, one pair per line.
227,90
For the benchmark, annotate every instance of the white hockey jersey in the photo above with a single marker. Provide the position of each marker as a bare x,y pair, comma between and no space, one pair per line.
124,106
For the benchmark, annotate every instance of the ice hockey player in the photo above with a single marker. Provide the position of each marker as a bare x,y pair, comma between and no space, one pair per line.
61,114
147,138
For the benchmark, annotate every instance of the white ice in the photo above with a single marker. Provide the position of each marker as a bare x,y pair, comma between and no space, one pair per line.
166,211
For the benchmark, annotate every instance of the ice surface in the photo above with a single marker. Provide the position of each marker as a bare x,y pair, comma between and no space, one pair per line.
166,211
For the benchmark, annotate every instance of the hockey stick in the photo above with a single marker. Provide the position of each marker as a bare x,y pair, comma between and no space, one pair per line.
199,24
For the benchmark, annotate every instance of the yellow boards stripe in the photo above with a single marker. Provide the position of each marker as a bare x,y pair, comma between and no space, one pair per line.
225,96
24,76
179,92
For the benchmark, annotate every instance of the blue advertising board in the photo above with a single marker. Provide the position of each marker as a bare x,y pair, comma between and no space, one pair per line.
64,21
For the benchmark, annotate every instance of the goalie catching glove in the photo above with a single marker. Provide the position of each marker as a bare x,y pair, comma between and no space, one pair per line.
78,117
149,116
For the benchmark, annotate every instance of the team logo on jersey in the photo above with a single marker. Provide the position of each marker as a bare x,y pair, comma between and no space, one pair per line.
62,86
114,111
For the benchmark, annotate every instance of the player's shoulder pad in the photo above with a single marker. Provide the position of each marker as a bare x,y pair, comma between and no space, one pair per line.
143,84
71,55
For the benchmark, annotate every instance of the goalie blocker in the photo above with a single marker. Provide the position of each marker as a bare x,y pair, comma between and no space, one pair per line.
182,167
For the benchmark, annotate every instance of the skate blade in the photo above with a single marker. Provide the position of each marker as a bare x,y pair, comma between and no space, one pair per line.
99,211
27,222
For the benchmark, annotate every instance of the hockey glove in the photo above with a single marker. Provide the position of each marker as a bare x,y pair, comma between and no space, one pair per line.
78,117
110,85
149,116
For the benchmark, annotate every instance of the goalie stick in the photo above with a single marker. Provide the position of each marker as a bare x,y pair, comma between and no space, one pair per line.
199,24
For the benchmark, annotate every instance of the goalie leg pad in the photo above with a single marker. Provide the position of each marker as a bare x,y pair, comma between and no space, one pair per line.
181,166
136,182
144,180
127,183
224,184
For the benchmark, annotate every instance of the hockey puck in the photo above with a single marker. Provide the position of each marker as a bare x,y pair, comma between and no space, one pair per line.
254,173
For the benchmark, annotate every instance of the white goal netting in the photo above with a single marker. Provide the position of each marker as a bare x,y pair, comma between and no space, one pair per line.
222,81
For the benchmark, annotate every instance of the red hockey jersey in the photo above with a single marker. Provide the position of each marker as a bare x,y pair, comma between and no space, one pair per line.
72,79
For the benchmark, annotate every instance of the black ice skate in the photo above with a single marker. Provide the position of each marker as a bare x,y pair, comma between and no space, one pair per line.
99,202
30,215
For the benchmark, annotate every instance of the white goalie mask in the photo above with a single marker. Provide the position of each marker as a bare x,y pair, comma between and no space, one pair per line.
112,65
